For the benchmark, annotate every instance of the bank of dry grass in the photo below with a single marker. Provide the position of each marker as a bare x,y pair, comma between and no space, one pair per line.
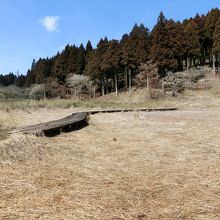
160,165
137,165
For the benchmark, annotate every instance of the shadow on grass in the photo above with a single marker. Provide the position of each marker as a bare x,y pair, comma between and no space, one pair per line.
66,129
3,134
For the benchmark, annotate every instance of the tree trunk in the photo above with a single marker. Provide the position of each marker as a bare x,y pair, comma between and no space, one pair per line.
94,92
204,58
211,58
106,84
129,76
148,87
116,84
113,84
217,62
193,62
45,96
213,61
188,62
163,89
180,64
126,77
184,63
103,86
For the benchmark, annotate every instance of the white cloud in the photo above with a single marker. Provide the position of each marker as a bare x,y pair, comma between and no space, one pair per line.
50,23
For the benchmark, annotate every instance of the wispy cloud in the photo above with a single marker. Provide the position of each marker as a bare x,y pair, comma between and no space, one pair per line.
50,23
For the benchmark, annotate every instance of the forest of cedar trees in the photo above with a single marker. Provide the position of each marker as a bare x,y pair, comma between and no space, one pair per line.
172,46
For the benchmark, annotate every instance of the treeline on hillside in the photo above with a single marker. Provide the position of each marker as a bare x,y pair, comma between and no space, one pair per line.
12,79
113,64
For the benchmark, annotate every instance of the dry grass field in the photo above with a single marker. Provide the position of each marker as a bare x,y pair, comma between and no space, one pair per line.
137,165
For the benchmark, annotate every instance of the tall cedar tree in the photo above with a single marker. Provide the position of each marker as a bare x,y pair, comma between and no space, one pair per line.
158,44
174,46
168,44
88,47
211,21
102,47
88,51
126,58
111,62
193,51
200,21
40,70
59,69
94,68
139,41
30,78
216,39
72,63
80,63
135,49
20,81
8,79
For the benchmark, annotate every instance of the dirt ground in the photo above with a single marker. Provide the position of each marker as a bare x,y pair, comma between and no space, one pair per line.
137,165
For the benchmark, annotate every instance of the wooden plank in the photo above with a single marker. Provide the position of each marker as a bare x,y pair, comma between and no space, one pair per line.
56,125
73,121
131,110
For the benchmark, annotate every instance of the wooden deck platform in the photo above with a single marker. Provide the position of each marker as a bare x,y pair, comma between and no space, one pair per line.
131,110
73,122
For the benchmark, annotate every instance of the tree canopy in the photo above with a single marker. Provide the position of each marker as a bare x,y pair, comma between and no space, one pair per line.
171,45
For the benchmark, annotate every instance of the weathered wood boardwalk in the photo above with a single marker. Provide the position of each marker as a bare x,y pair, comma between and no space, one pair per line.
73,122
131,110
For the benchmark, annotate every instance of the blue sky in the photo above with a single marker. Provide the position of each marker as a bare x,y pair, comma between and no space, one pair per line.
40,28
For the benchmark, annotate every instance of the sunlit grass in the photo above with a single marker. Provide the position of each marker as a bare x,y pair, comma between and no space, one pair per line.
27,104
188,99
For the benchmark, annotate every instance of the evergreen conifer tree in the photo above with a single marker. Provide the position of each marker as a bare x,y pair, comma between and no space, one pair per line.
216,40
193,51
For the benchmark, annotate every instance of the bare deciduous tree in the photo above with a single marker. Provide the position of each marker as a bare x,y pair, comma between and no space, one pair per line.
148,77
37,91
80,85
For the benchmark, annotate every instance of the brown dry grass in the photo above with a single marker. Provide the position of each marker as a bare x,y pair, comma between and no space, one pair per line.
138,165
157,166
